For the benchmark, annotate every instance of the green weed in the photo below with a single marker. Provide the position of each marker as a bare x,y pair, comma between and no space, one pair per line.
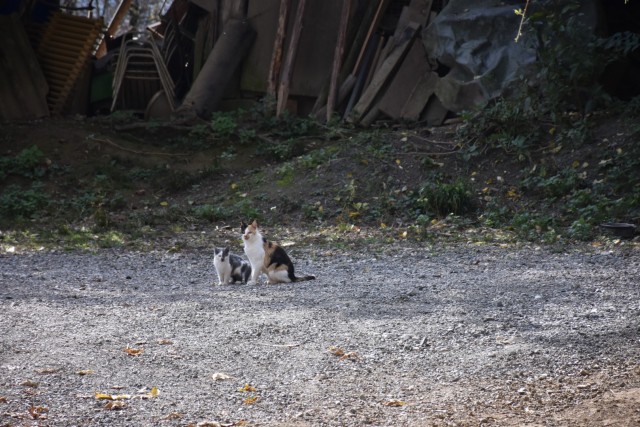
29,163
19,203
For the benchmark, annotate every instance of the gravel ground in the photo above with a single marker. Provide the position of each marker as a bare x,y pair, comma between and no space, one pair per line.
402,336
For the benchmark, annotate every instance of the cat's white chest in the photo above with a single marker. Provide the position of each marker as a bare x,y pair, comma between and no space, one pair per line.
223,269
254,250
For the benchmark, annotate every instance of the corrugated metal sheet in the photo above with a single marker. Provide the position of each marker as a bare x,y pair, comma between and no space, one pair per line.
23,87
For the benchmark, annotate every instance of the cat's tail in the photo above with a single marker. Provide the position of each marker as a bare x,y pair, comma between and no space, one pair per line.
303,278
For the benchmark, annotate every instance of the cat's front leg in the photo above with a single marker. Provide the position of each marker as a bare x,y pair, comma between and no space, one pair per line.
255,276
220,282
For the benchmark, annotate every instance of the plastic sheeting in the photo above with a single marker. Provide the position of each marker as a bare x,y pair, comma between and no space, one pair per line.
475,39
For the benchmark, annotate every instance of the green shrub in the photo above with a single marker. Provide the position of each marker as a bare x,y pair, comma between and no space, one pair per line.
18,203
442,199
29,163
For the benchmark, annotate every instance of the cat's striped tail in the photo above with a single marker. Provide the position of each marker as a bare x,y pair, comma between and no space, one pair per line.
303,278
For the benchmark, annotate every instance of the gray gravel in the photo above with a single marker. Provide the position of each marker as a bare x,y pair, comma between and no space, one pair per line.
475,335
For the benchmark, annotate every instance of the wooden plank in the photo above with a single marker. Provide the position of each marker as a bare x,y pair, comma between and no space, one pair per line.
419,11
361,78
345,89
402,85
386,71
419,97
375,63
434,113
312,68
207,91
287,72
278,46
337,59
382,6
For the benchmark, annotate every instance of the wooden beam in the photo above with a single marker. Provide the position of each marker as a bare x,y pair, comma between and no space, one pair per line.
287,72
278,46
382,6
209,87
386,71
337,58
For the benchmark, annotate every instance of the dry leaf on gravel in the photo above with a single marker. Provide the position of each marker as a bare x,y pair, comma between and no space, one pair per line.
152,393
336,351
106,396
38,412
394,403
29,383
246,388
172,416
250,400
133,351
46,371
115,405
343,355
85,372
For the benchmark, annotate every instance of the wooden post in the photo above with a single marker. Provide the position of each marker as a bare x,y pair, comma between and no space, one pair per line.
278,45
287,72
208,89
382,6
337,58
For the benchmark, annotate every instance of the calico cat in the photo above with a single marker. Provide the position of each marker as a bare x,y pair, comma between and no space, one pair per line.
230,267
268,257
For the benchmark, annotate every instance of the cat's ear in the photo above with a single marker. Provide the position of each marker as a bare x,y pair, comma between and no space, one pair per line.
254,224
225,252
243,227
216,251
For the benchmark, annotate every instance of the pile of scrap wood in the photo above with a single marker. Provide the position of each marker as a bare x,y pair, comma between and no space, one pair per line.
353,60
391,76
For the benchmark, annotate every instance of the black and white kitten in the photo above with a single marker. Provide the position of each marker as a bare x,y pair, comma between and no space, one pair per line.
230,267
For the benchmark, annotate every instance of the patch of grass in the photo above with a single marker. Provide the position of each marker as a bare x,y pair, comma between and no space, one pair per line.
29,163
443,198
211,213
286,175
19,203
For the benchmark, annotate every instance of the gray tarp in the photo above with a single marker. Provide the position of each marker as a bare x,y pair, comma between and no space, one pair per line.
476,40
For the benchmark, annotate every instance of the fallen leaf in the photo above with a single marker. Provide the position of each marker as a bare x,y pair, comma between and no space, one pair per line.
250,400
165,341
115,405
46,371
106,396
513,193
150,395
38,412
220,376
172,416
85,372
133,351
208,424
3,399
246,388
164,204
336,351
29,383
352,355
395,403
